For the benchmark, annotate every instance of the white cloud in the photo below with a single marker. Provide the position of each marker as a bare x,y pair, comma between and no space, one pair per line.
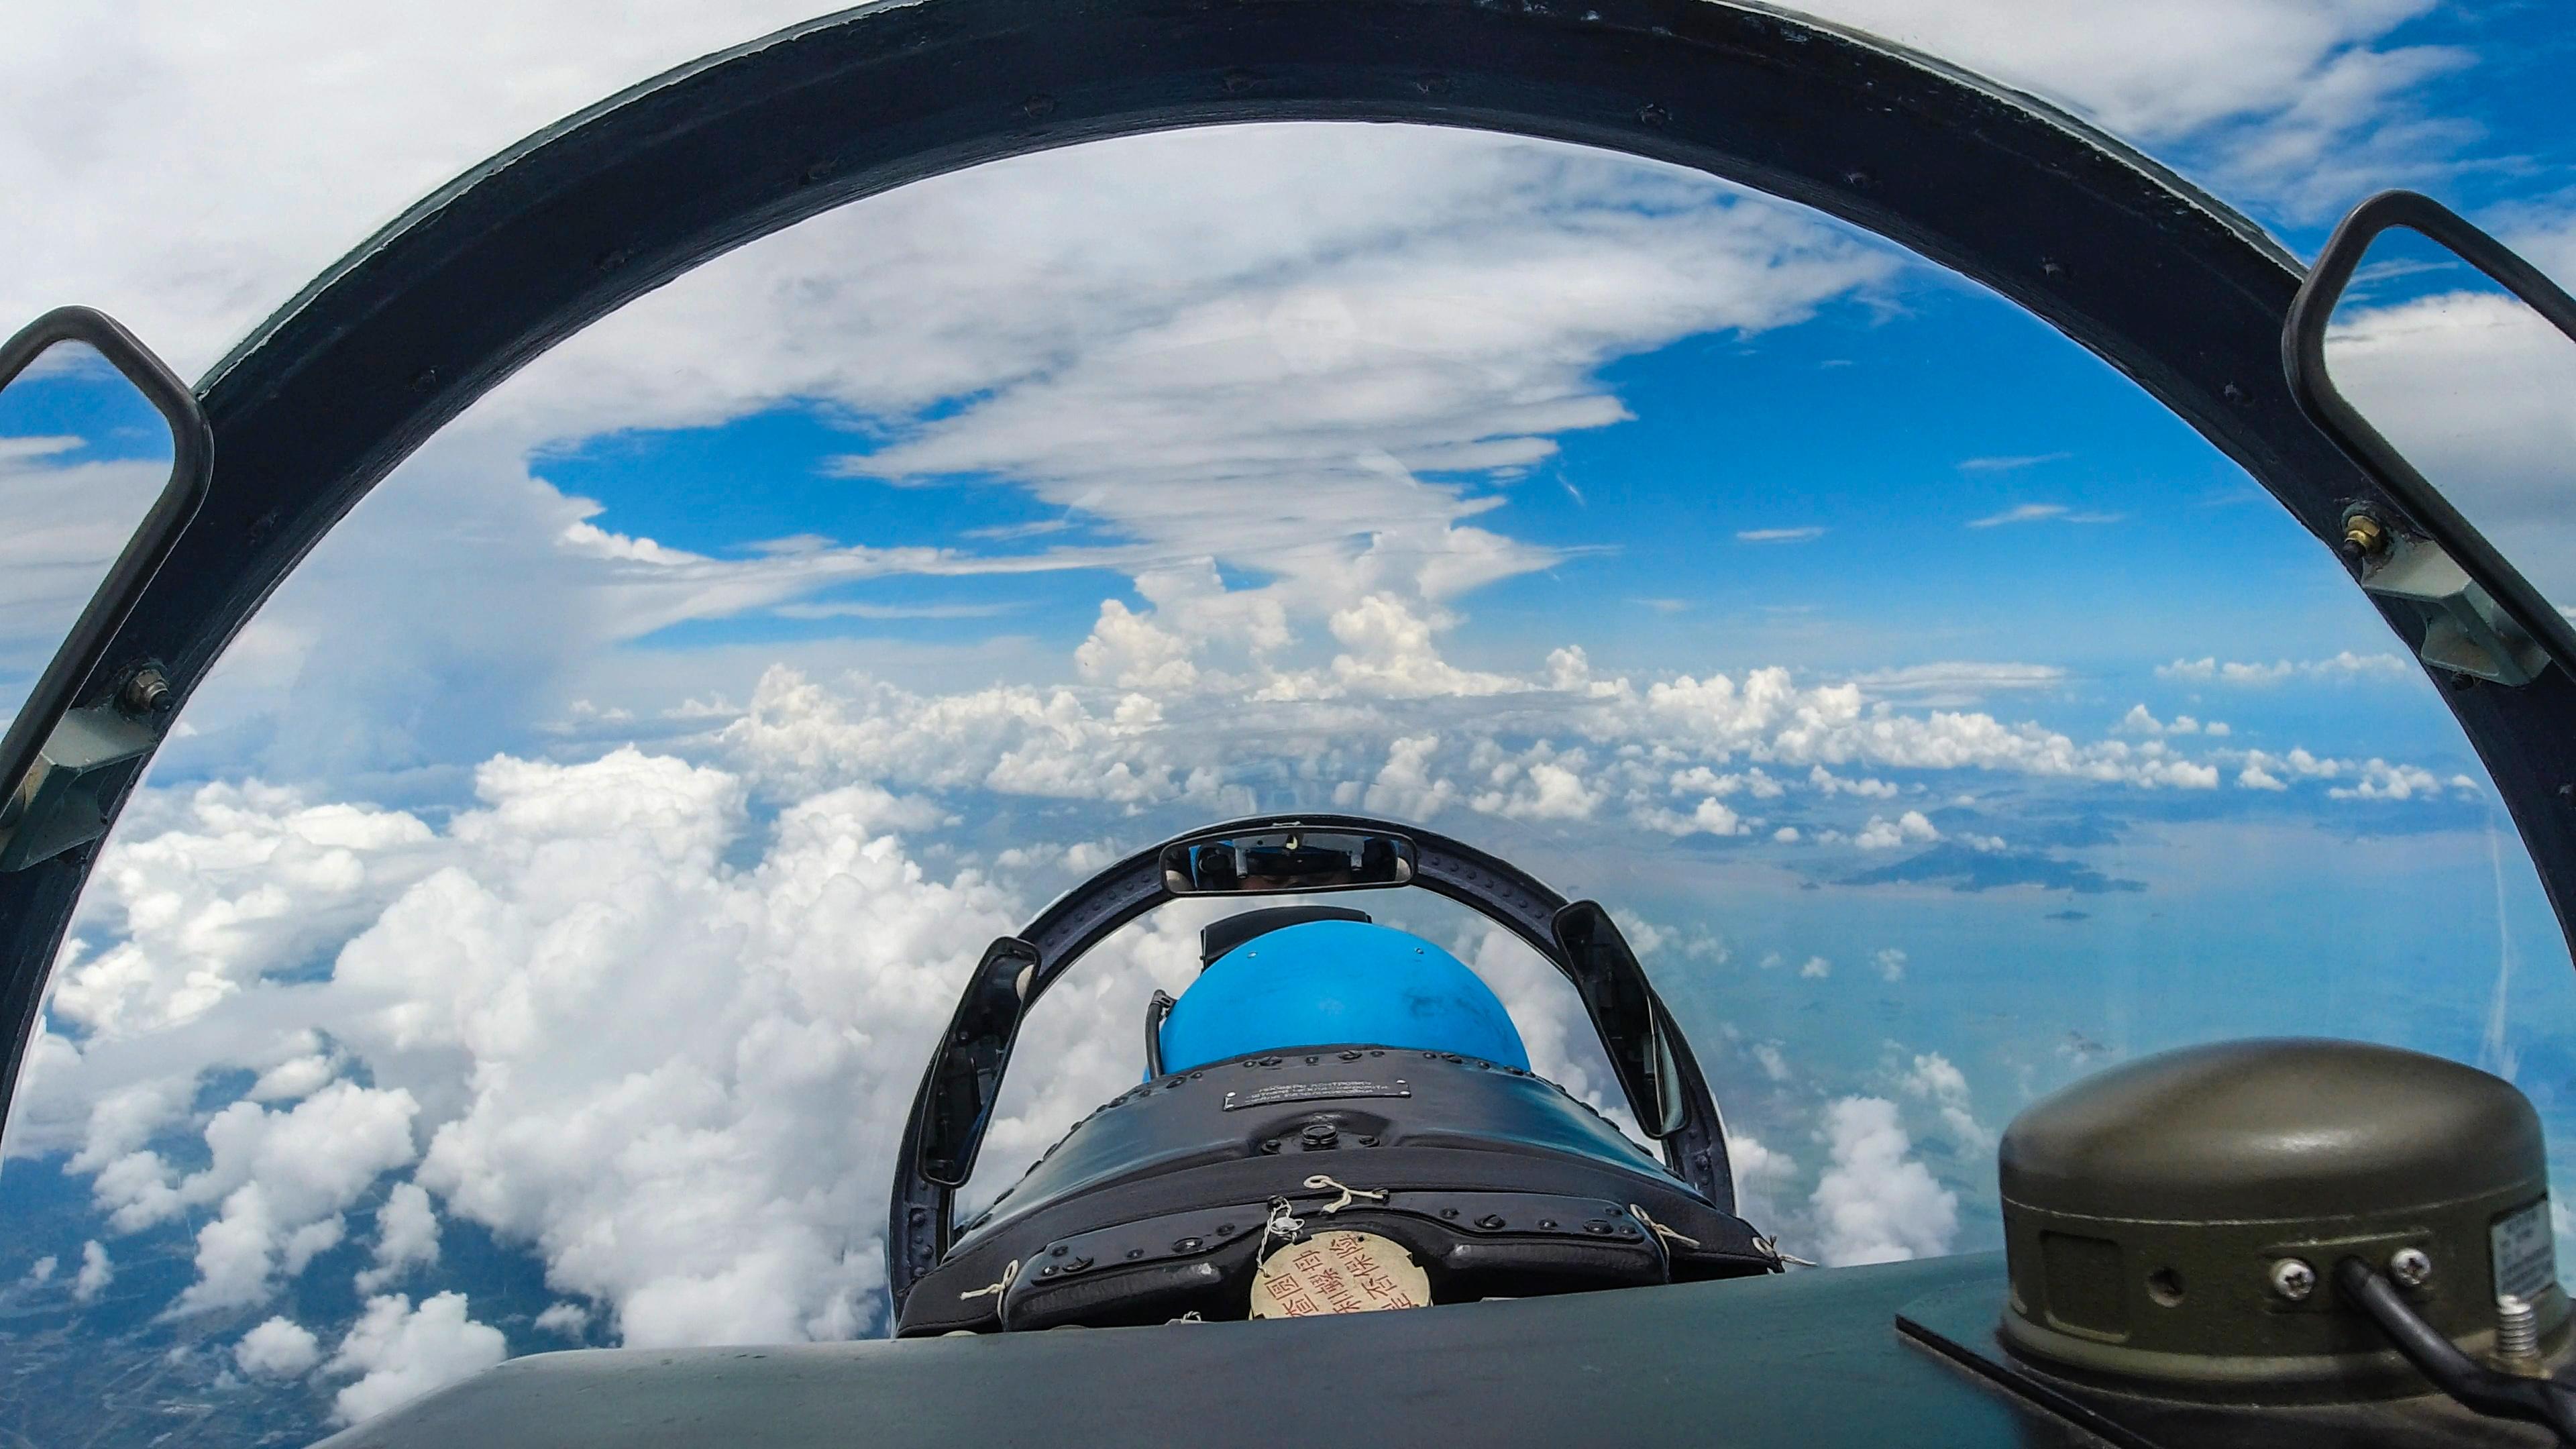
401,1353
298,1076
326,119
279,1348
41,1271
1955,681
2371,779
1540,784
2345,665
2010,463
254,875
97,1270
1910,828
2139,721
2020,513
1761,1173
1817,968
2039,512
1875,1203
1829,783
1891,963
1778,535
2291,100
568,1319
1935,1080
1406,788
282,1178
406,1237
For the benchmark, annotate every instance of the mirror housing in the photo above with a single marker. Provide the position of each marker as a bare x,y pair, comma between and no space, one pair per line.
1288,860
966,1076
2481,618
1625,1014
63,770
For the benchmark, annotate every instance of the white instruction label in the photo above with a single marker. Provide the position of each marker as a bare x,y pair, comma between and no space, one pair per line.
2526,1260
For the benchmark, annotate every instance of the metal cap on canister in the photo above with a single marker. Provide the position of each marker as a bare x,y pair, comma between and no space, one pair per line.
2177,1220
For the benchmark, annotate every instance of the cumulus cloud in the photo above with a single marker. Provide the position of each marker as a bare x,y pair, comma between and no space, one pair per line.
282,1179
399,1353
1762,1172
2140,721
1932,1078
1405,787
1875,1202
1891,963
97,1270
1910,828
2371,779
279,1348
571,1320
406,1237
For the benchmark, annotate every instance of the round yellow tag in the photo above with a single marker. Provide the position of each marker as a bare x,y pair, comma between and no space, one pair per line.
1339,1272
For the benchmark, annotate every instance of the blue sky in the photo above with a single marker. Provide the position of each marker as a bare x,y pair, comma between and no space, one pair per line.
582,848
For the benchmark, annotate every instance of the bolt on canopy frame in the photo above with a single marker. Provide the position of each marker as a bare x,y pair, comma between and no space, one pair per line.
2166,284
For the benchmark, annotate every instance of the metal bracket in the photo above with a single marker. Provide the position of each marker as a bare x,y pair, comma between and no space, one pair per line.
79,774
2464,630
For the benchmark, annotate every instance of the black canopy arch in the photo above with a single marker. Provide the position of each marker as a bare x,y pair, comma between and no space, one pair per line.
2164,283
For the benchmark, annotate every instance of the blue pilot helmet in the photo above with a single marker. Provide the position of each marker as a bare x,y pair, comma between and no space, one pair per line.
1338,983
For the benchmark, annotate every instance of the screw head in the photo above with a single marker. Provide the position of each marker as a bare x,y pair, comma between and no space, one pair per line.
2410,1267
2293,1279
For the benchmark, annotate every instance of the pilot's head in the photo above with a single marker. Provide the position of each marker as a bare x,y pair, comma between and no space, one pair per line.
1337,983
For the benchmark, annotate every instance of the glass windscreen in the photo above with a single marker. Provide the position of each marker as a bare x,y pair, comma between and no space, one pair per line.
543,925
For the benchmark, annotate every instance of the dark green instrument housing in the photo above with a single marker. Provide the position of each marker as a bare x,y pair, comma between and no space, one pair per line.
2178,1220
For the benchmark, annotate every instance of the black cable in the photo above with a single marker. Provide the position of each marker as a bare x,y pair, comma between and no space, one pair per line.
2499,1395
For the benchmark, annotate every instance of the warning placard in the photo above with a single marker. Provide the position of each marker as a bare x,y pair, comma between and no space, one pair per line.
1339,1272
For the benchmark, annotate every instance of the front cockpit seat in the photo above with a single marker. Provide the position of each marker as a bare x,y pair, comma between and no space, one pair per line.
1326,1073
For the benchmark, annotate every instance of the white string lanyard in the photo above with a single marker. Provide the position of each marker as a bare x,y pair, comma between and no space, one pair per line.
1283,1225
995,1289
1319,1182
1771,1248
1665,1233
